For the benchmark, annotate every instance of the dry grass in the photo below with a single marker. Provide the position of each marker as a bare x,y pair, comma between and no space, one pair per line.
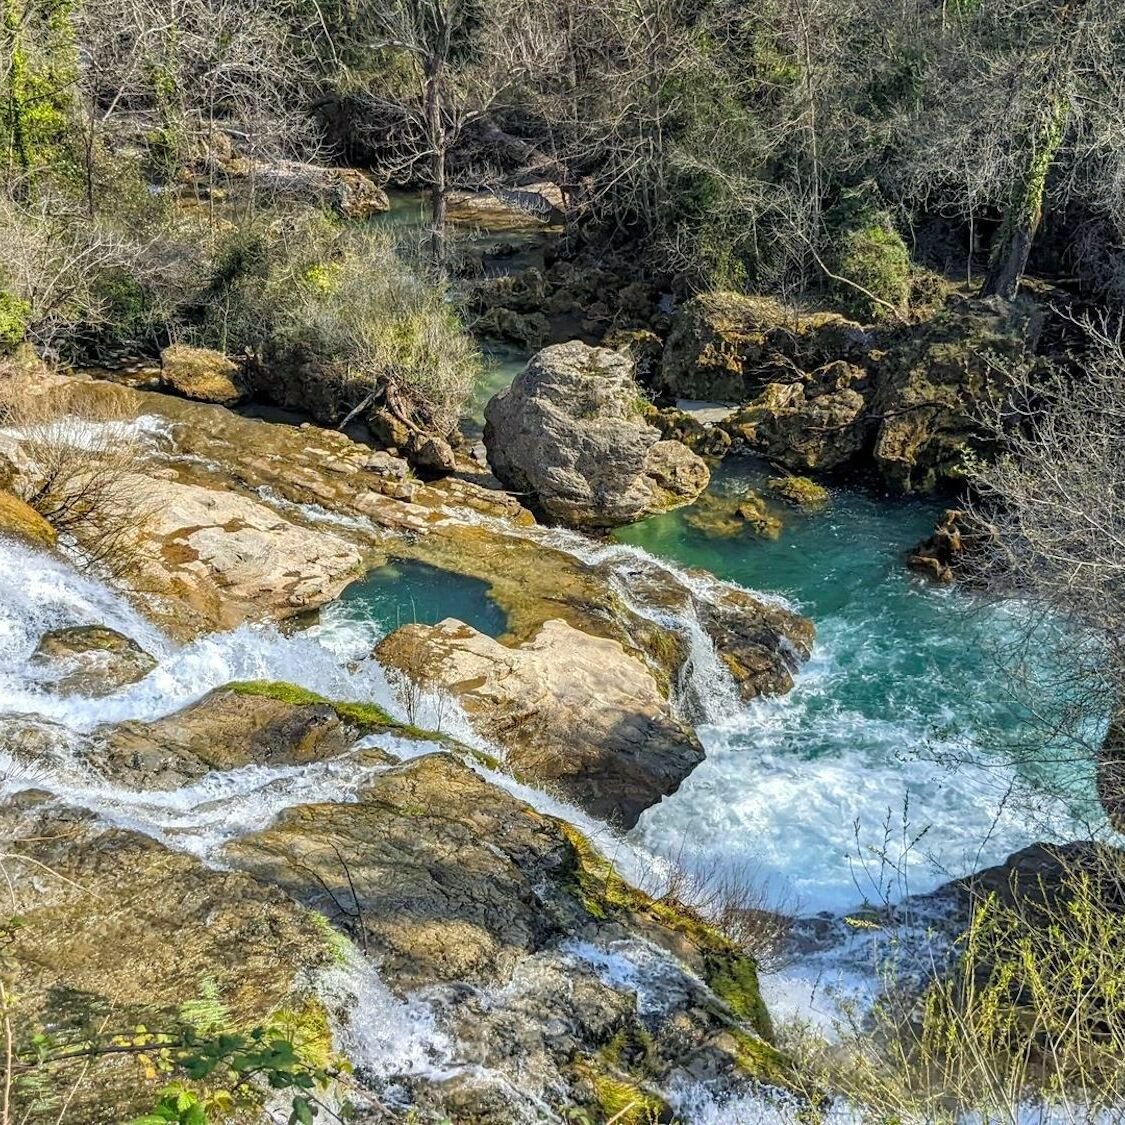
1029,1023
83,470
734,901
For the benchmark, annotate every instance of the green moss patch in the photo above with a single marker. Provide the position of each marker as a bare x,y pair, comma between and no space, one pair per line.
730,973
362,714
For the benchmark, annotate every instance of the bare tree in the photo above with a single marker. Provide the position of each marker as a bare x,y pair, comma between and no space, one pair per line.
461,59
1056,499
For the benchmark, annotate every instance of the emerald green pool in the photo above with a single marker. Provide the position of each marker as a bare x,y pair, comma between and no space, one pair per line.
901,723
406,592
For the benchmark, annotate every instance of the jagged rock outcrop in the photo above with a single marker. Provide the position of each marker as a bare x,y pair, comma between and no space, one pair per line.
932,379
571,433
575,713
91,660
812,425
823,394
958,536
726,347
200,374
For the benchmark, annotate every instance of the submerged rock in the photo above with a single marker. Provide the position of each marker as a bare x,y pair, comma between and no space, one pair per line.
115,931
800,492
200,374
728,516
91,660
571,432
573,712
238,725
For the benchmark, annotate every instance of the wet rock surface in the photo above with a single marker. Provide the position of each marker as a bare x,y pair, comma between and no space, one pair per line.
504,916
91,660
570,432
232,727
956,545
575,713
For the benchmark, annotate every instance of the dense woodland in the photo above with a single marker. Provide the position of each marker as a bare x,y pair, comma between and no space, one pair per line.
788,148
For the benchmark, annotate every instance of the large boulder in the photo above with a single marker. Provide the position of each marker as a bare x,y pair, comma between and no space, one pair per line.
91,660
726,347
200,374
574,712
571,433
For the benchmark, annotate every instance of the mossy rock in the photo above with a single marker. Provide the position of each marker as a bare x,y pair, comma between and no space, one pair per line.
240,724
800,492
729,972
22,521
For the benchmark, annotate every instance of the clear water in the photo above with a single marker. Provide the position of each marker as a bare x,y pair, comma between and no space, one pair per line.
406,592
905,683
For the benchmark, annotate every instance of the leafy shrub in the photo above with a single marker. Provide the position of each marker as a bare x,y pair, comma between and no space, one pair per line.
868,251
335,316
14,312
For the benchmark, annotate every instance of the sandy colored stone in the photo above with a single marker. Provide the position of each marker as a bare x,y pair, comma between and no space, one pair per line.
574,712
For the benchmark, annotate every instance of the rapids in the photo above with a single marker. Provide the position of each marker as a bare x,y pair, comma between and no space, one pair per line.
794,791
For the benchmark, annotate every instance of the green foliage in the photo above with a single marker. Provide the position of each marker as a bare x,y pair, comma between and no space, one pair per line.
335,314
42,66
226,1071
14,312
868,251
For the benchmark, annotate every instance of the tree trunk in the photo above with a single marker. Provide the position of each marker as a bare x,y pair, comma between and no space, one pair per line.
435,137
1111,772
1012,243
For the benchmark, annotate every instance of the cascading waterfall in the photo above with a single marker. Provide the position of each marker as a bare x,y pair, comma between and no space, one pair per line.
756,801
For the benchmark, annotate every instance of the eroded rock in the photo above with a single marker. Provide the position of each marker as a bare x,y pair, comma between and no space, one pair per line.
231,727
500,914
571,432
573,712
725,347
813,425
957,537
